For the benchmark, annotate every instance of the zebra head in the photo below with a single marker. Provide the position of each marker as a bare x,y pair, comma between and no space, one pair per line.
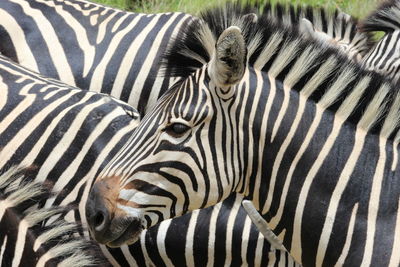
168,168
353,49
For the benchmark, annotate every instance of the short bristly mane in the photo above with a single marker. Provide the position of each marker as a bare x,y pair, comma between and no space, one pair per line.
385,18
278,49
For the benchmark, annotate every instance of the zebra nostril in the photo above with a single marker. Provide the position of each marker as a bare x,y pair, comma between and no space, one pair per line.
99,221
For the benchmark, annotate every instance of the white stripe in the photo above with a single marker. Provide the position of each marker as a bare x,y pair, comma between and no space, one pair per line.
81,36
20,137
259,249
65,143
128,256
16,111
296,240
395,258
3,248
3,93
161,237
245,240
373,205
395,156
346,248
145,68
148,260
268,106
103,26
278,160
20,244
337,195
17,35
109,256
53,44
189,257
212,234
229,232
97,80
130,55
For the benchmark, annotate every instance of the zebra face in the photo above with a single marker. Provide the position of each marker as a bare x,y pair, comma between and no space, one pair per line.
174,162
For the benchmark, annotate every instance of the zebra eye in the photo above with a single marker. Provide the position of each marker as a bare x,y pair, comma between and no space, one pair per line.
177,129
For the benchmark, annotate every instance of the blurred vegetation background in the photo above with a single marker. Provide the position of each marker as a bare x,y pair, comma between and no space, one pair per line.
357,8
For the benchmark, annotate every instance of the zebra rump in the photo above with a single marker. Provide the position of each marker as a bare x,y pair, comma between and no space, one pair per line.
33,236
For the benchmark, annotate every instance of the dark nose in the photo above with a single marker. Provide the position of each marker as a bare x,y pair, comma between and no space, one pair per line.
98,213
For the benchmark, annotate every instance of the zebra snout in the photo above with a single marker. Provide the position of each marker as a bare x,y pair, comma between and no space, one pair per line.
100,208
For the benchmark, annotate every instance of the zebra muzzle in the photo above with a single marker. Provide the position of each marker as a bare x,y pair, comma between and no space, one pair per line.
108,223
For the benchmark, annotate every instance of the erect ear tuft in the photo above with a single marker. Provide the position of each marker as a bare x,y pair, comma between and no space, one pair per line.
308,30
228,62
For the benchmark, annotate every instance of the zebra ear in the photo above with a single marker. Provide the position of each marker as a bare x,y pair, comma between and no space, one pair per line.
308,30
228,62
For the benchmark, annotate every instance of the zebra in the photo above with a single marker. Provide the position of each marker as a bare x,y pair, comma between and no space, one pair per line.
258,102
51,24
384,56
26,239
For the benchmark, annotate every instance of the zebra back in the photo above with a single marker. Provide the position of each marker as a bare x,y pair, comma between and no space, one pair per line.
37,236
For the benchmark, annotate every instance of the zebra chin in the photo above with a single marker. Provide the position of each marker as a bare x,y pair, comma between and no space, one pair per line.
129,236
116,229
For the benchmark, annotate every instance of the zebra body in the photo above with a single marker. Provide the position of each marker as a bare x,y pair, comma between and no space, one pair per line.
384,57
310,138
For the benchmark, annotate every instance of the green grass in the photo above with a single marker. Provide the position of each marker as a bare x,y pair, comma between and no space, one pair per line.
357,8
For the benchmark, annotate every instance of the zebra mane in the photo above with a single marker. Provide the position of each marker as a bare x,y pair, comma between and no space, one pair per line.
316,71
334,23
385,18
48,237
